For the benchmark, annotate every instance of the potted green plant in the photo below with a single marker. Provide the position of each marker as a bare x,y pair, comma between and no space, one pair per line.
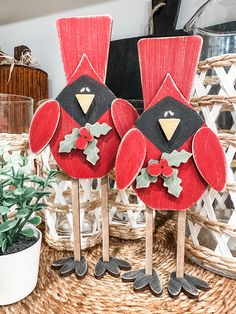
21,195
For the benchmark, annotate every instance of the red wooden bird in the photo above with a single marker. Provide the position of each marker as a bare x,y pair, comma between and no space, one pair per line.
78,125
169,155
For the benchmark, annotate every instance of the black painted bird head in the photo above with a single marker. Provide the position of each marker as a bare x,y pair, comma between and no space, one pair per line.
168,124
86,99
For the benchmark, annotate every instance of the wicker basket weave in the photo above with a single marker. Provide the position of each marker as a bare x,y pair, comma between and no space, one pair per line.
211,229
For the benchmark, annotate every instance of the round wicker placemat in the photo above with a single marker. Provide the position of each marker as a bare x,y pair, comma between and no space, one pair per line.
54,294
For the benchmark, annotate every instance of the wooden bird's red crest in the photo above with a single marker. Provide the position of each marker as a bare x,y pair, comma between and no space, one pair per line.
78,125
169,154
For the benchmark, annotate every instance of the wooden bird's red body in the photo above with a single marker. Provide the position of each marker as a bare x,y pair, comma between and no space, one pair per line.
166,90
84,45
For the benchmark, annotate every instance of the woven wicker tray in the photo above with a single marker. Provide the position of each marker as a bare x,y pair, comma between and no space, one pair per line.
54,294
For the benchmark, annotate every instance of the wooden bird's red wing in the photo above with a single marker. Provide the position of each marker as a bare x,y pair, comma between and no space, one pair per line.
130,157
44,125
209,158
123,115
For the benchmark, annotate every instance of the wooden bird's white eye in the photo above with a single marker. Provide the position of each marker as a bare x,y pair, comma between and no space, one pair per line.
82,90
88,89
166,113
171,113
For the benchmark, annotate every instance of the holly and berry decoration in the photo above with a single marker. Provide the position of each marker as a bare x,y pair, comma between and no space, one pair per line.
165,169
85,139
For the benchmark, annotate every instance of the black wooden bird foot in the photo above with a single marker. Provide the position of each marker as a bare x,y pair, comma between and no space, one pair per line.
68,266
113,267
143,281
189,285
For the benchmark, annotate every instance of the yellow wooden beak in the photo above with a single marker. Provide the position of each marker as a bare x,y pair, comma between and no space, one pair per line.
169,126
85,101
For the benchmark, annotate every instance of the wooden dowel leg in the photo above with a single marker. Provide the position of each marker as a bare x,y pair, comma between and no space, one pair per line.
181,227
149,240
105,219
76,219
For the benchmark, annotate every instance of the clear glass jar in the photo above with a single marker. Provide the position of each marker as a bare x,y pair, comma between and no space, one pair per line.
16,113
215,21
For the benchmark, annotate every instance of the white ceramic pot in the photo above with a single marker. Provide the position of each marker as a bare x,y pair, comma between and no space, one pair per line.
19,273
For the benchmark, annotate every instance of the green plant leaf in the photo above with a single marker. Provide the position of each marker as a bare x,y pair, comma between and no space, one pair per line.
22,213
6,204
1,239
175,158
4,245
144,179
28,232
98,129
173,183
40,206
35,220
19,191
69,142
7,225
91,152
37,180
40,194
4,210
29,192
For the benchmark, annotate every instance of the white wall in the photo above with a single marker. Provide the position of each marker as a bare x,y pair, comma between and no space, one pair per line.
130,18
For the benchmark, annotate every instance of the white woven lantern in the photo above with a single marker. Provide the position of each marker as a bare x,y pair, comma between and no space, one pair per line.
211,237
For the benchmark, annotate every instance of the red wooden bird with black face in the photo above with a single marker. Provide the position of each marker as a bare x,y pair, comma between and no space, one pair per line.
172,125
84,100
169,155
78,125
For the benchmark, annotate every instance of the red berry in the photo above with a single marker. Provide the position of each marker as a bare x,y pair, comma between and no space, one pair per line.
167,171
89,138
154,169
164,163
84,132
81,143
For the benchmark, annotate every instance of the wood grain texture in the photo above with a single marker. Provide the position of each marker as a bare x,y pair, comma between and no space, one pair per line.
175,55
74,164
105,219
85,35
210,158
76,220
181,227
169,126
85,101
149,241
44,125
123,115
84,44
130,158
25,81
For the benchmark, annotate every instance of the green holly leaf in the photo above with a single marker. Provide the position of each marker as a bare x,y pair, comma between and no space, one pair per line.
152,161
98,129
69,142
91,152
144,179
173,183
175,158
